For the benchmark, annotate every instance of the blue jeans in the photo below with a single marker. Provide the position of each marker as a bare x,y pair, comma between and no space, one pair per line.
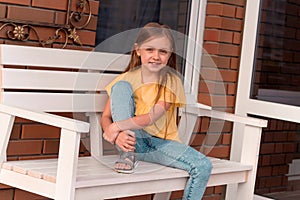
165,152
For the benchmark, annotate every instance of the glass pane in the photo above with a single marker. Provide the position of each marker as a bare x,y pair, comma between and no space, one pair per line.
277,61
116,17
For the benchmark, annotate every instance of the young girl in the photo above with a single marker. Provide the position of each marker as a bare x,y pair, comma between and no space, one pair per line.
140,114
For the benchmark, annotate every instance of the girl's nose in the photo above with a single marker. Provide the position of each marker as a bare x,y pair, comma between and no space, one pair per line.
155,54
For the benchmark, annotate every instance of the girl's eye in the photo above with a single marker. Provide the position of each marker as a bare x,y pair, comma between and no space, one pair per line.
149,49
162,51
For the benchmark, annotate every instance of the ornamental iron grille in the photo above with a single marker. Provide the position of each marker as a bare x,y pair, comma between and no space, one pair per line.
75,20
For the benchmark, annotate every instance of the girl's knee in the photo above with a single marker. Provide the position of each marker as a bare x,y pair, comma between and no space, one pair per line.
121,86
204,167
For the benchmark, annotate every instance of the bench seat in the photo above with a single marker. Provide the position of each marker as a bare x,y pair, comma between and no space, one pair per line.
99,172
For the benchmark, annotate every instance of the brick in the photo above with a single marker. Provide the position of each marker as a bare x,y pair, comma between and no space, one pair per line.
218,35
221,61
280,170
30,14
280,136
216,100
2,11
7,194
213,22
209,190
229,75
240,13
2,186
87,37
39,131
23,2
267,148
264,171
24,147
232,2
60,18
222,49
23,195
237,38
277,159
143,197
212,197
16,132
212,87
289,148
93,3
177,194
226,139
219,75
278,148
51,147
224,23
217,151
273,181
219,189
213,139
204,124
197,139
231,88
220,9
53,4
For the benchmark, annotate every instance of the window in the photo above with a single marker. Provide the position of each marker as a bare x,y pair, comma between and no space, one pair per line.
119,21
276,76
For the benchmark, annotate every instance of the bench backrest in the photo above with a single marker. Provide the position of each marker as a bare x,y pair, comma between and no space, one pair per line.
67,81
59,80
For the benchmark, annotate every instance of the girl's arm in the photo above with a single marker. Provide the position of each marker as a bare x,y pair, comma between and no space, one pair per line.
126,140
141,121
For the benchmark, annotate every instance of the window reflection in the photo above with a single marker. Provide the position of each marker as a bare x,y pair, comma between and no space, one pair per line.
277,62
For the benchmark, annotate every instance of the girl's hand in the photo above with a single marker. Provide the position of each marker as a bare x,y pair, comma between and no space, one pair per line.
126,140
111,133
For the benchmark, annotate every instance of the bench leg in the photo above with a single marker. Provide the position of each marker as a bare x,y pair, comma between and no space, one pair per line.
67,165
6,125
249,153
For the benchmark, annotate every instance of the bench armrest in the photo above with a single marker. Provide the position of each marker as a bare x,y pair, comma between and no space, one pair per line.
46,118
199,110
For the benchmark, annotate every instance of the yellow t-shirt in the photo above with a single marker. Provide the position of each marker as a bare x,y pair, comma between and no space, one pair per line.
145,96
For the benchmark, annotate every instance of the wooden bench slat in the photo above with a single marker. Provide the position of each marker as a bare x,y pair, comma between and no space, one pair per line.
91,170
61,58
60,80
56,102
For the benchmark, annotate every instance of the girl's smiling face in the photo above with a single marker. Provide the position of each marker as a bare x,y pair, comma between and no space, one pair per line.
154,53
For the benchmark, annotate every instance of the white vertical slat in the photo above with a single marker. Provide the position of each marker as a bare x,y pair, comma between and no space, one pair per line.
95,135
160,196
6,124
249,156
67,165
186,126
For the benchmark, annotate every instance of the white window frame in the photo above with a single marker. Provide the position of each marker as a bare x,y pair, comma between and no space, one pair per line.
194,49
245,105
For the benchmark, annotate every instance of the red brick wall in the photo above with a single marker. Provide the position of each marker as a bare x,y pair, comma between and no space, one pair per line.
280,145
46,17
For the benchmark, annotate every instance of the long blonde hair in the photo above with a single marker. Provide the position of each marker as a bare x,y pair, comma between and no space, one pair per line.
148,32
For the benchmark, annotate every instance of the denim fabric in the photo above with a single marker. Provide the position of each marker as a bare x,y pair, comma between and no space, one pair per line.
164,152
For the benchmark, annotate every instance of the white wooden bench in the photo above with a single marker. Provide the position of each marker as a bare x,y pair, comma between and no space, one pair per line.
44,87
